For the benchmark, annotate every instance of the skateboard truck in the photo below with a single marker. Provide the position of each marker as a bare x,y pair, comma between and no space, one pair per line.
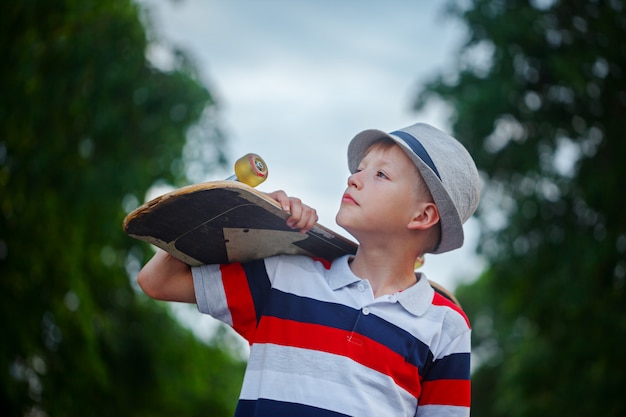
250,169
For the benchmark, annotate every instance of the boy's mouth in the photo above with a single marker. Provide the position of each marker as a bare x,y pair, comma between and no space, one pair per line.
347,199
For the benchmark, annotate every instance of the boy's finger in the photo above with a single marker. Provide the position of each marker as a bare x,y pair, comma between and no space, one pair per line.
295,209
281,197
307,219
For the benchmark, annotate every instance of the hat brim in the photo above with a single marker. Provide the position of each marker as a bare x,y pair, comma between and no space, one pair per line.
451,226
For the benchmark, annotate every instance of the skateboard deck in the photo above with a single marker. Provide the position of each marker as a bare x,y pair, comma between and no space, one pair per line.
227,221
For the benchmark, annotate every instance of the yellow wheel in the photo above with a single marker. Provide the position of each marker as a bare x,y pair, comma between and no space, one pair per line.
251,169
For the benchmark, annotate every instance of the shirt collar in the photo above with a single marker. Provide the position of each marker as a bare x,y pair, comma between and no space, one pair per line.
416,299
340,273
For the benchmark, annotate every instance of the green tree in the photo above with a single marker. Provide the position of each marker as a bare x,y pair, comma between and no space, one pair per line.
88,126
539,98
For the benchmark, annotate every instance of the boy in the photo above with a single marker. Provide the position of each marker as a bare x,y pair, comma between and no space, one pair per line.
364,335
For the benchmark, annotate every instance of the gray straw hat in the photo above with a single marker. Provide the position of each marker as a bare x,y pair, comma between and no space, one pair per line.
446,166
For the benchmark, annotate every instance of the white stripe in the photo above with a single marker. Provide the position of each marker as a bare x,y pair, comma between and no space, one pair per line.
443,411
449,331
308,278
210,294
323,380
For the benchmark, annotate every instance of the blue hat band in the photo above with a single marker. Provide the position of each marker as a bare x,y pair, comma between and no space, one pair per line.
418,149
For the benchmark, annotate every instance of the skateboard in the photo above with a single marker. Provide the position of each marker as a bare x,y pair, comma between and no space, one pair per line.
220,222
229,221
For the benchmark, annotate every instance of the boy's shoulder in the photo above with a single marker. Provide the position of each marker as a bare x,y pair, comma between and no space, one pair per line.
453,320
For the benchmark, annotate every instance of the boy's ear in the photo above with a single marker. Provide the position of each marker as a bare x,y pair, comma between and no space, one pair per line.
426,216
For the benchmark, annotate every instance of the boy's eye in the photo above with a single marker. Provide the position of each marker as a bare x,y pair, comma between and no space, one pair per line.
382,175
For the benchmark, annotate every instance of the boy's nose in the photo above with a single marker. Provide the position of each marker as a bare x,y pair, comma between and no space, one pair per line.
354,180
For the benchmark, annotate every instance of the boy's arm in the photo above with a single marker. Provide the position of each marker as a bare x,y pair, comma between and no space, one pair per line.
166,278
446,387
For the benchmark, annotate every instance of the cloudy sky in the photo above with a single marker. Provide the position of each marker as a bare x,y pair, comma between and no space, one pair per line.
296,80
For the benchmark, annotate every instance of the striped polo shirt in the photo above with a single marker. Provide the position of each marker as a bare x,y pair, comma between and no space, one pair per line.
322,345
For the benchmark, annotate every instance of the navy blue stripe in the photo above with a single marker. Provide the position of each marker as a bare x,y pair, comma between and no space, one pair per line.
455,366
264,408
259,284
338,316
417,147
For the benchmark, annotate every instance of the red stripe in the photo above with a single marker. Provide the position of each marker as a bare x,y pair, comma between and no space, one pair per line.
446,392
357,347
239,300
325,262
440,300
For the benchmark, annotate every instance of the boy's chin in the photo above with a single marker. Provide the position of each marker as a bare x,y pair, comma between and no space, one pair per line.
341,220
344,223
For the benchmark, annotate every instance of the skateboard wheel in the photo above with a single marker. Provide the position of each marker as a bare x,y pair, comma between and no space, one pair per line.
251,169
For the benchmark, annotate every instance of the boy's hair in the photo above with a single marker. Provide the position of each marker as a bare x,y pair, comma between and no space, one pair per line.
446,167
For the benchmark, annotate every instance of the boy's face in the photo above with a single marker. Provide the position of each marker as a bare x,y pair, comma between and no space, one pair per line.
383,195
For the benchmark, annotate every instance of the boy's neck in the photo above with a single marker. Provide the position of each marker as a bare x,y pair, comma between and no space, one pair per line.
387,274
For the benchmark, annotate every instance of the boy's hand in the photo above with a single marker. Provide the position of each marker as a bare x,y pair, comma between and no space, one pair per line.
302,216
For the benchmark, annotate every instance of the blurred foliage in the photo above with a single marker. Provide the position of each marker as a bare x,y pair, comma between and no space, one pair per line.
88,126
539,99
